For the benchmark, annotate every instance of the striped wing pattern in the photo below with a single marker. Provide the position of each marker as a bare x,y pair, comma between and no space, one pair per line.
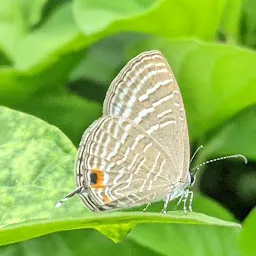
139,150
127,162
146,92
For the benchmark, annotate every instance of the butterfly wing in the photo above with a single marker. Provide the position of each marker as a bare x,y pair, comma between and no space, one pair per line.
138,151
117,163
146,92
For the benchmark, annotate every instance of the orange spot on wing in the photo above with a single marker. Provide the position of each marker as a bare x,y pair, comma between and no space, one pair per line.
99,179
106,199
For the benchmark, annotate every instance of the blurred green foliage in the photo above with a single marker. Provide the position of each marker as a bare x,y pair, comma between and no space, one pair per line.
57,59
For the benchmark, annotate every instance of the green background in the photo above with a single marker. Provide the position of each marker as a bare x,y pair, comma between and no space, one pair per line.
57,59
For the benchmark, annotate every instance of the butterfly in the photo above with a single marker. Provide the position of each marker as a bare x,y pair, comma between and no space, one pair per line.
138,152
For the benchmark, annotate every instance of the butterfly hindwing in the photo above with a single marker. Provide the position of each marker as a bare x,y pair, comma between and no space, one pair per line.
118,163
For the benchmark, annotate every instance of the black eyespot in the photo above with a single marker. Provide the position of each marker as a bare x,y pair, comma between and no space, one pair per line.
93,177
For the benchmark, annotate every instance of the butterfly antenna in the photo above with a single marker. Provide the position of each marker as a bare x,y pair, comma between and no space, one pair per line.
200,147
76,191
219,159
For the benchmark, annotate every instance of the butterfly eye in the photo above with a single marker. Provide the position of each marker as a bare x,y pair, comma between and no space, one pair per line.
192,180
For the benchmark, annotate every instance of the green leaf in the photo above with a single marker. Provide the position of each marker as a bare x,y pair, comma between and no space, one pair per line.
69,112
226,141
11,20
62,37
36,171
39,61
217,81
16,17
32,11
143,240
76,242
230,24
248,34
247,241
14,86
190,239
18,86
102,60
174,18
43,56
113,225
35,158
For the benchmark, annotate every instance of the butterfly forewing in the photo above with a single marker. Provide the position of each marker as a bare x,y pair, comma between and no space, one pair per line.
146,92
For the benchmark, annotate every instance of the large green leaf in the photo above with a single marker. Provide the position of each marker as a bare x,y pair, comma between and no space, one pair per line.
16,17
76,242
237,135
217,81
43,57
57,36
113,225
62,35
160,17
102,60
230,24
226,142
248,35
14,86
32,11
11,20
167,239
175,239
59,33
37,169
247,241
69,112
18,86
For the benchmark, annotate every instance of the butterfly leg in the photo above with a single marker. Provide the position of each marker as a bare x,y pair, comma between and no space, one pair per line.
166,203
185,198
150,198
181,197
146,207
190,201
